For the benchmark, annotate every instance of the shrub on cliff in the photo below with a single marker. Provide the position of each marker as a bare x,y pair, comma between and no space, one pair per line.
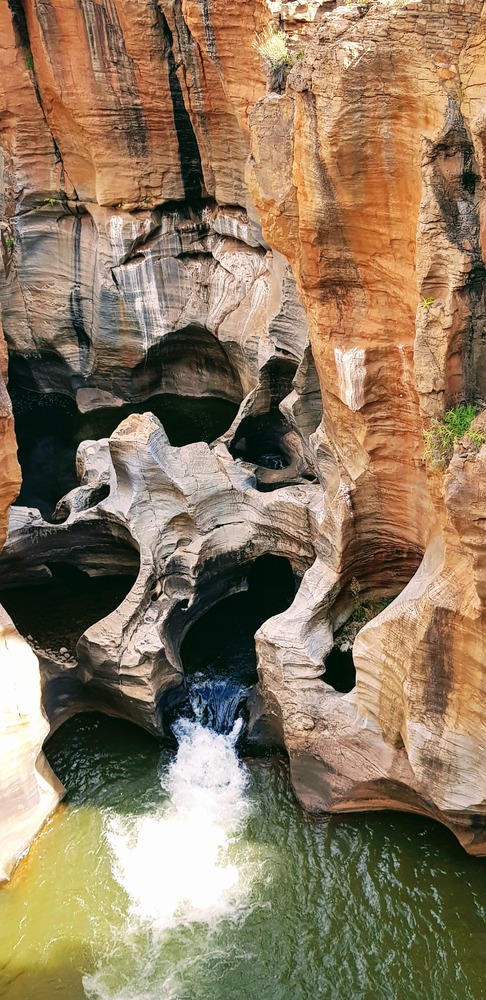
277,58
442,435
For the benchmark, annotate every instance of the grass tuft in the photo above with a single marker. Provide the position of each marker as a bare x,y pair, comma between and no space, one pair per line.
275,53
442,435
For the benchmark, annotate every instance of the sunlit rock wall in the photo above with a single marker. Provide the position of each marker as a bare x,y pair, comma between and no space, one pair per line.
153,193
29,790
378,203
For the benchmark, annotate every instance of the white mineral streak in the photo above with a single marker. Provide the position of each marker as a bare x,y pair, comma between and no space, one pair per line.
350,366
123,234
141,289
116,237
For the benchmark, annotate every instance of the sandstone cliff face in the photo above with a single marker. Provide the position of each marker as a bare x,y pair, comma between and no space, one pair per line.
29,790
396,268
171,231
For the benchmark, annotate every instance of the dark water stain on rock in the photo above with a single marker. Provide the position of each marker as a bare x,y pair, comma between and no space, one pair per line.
189,156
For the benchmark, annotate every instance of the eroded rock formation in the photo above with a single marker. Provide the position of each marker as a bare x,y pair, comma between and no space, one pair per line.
195,521
396,267
29,790
293,283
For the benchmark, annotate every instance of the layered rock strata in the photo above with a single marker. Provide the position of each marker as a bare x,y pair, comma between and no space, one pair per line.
159,211
29,790
386,246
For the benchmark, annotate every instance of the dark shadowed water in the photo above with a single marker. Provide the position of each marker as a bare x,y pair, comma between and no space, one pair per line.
196,876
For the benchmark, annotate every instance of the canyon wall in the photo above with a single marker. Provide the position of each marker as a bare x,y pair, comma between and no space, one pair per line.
29,790
296,274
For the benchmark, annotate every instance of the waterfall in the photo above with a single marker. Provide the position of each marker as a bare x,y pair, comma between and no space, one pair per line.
217,703
173,862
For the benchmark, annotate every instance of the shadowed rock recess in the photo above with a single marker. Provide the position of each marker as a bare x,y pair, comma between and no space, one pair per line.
230,315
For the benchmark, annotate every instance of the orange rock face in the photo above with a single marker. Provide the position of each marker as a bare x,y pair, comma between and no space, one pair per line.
144,103
377,207
366,173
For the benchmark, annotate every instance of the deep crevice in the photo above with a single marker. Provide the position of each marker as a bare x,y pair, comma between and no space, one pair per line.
222,641
20,22
189,156
340,671
56,611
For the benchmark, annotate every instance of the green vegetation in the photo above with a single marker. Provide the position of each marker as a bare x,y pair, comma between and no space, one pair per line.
442,435
276,56
30,62
364,611
426,303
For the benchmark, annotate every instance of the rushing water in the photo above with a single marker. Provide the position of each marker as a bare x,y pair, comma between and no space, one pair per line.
190,875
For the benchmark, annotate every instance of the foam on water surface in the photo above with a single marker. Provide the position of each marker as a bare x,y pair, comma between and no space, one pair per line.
173,862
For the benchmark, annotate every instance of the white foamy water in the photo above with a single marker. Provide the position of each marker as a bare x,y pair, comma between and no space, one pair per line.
172,864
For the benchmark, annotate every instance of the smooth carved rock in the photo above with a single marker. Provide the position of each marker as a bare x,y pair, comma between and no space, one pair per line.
388,262
367,177
29,790
194,521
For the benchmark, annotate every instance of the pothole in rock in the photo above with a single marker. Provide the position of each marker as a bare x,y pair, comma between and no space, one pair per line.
222,639
340,671
49,429
55,613
218,652
259,440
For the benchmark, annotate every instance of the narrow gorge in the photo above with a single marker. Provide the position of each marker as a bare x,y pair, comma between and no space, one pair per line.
242,497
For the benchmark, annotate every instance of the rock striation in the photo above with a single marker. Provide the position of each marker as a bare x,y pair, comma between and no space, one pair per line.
29,791
231,312
193,522
378,204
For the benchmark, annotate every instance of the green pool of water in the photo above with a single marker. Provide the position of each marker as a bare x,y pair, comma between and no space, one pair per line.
200,878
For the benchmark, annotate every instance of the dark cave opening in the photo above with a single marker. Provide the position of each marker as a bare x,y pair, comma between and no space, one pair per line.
49,429
277,377
57,610
259,440
222,641
218,652
340,671
190,363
